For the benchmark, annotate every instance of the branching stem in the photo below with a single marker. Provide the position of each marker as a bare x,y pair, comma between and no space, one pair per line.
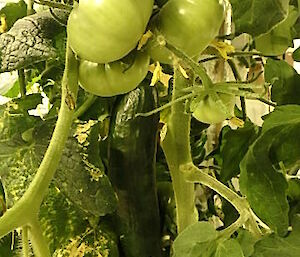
25,211
176,146
193,174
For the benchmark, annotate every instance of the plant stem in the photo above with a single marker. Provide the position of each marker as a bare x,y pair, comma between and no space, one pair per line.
28,206
176,147
13,218
238,78
30,9
22,83
227,232
45,173
39,244
168,105
197,68
194,175
87,104
267,102
25,241
206,81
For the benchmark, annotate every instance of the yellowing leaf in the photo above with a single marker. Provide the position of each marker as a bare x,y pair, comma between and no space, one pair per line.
144,39
237,122
158,75
3,26
163,132
223,48
183,72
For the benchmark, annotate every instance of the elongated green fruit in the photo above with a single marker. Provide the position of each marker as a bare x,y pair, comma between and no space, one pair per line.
132,150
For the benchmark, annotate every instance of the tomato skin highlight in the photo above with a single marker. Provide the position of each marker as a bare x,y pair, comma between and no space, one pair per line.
208,111
113,78
104,31
191,25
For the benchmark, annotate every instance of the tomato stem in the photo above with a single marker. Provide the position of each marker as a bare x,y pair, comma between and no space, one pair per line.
25,241
176,146
193,174
87,104
39,244
165,106
197,68
25,211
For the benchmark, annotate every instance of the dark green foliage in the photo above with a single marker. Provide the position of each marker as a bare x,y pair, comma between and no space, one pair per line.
261,178
276,246
285,82
234,145
258,17
13,11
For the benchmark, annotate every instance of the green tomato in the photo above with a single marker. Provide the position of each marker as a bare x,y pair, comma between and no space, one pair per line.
103,31
277,41
191,25
208,111
113,78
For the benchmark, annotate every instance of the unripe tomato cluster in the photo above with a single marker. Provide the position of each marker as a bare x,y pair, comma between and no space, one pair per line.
104,35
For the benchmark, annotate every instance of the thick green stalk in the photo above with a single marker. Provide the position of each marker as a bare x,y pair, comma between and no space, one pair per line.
27,208
25,242
39,244
45,173
176,147
193,174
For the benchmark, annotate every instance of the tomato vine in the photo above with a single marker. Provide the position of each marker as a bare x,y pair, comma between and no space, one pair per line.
212,180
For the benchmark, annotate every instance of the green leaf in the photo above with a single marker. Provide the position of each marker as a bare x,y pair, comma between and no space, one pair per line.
29,102
99,242
84,183
285,81
276,246
284,148
60,219
296,55
261,183
234,145
13,12
277,41
294,189
246,241
256,17
196,240
229,248
260,180
14,91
